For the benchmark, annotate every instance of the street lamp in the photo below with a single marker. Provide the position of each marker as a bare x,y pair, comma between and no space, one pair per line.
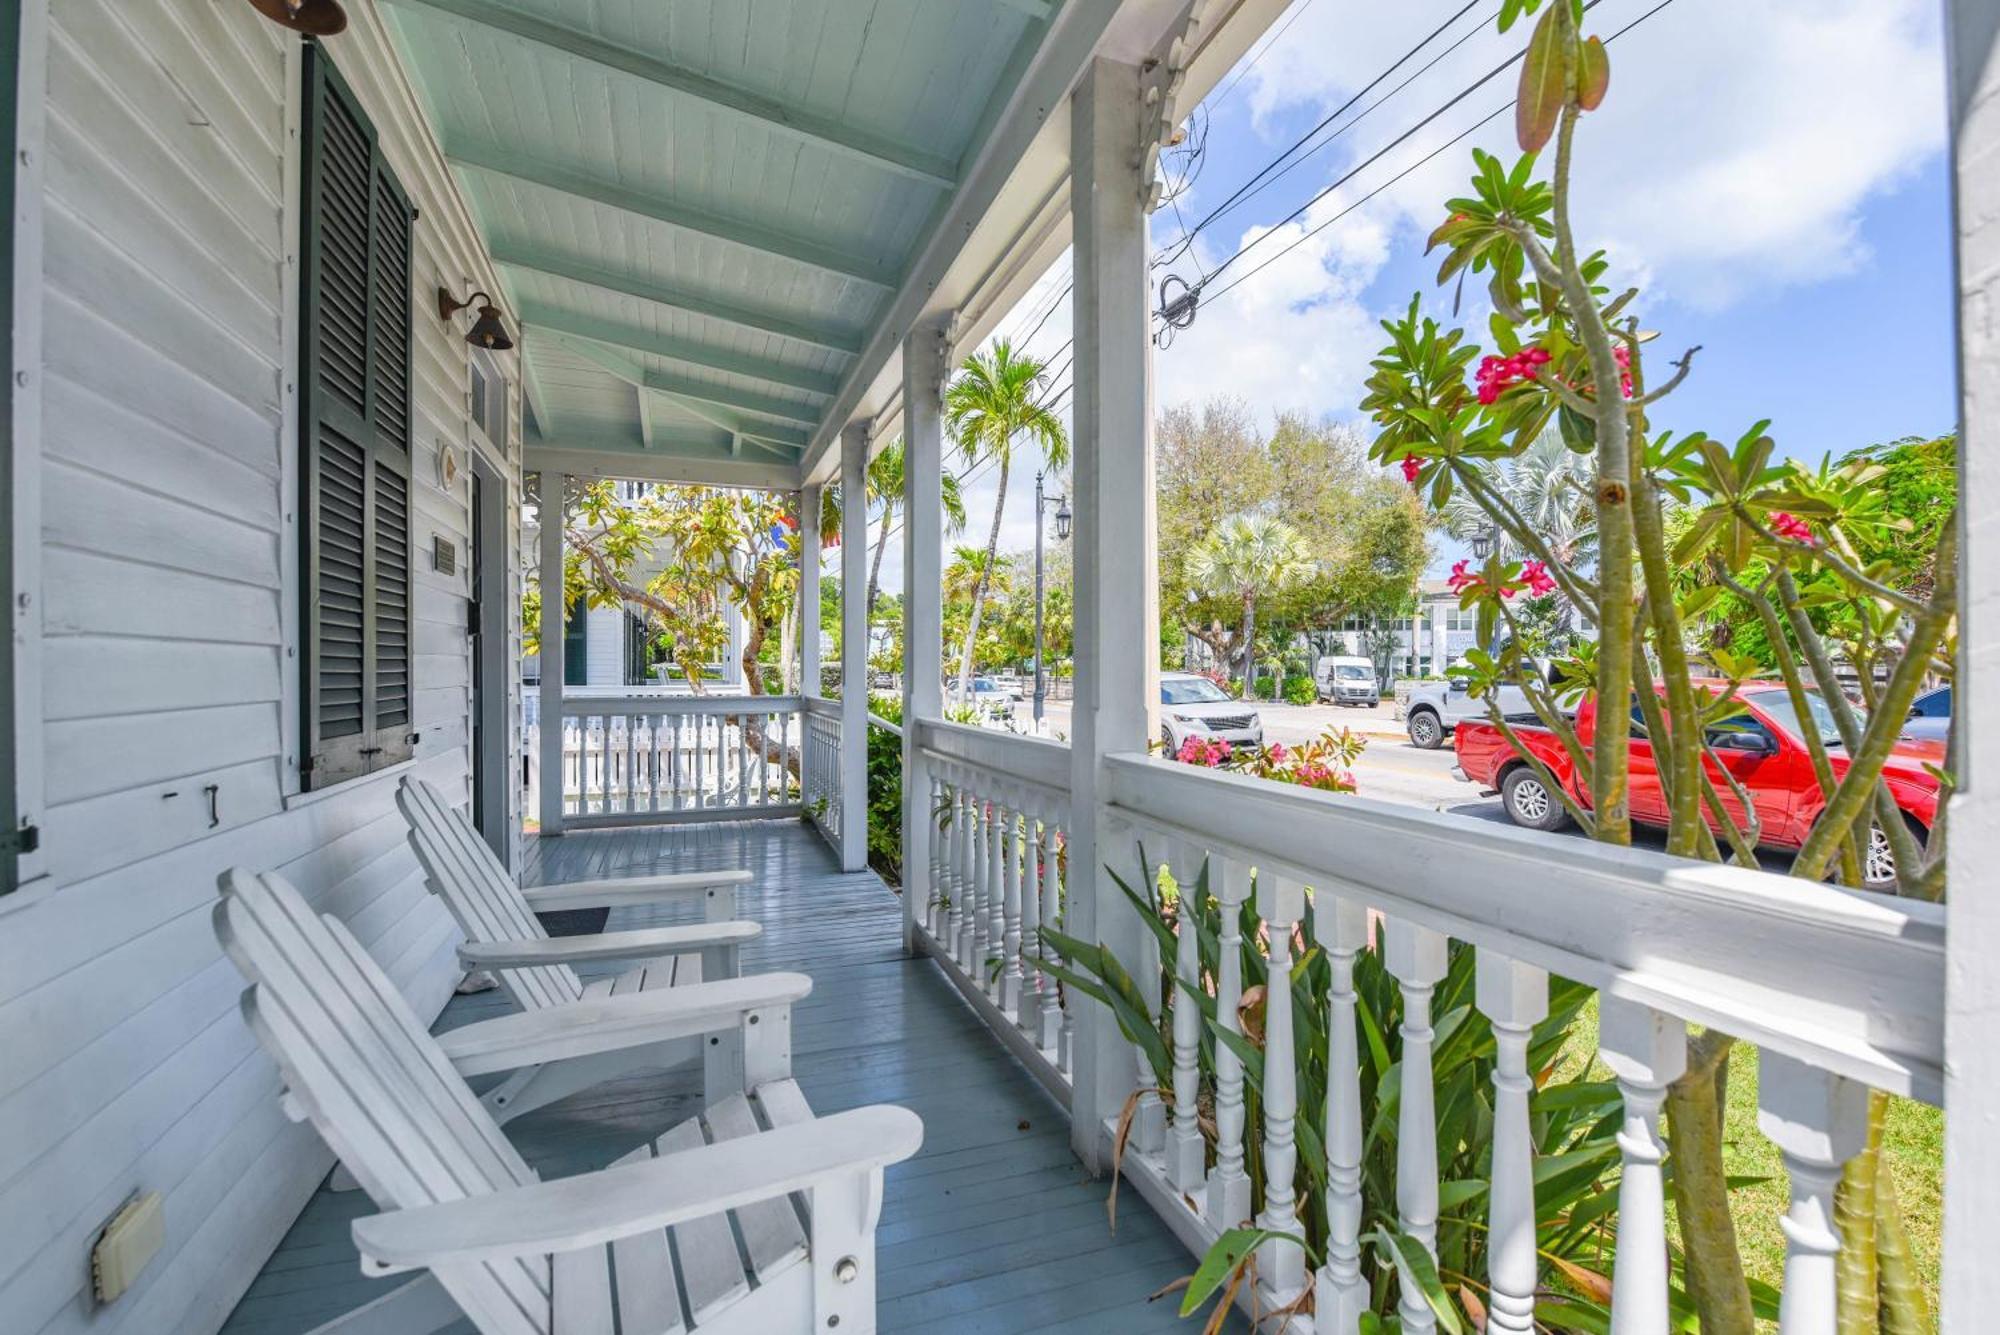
1063,519
1482,542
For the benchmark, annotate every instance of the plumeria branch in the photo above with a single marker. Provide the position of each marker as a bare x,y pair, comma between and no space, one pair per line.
1681,369
1579,590
1783,535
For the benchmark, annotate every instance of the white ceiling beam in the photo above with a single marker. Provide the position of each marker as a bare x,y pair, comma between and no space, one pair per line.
759,405
849,142
736,423
529,259
466,156
592,458
559,321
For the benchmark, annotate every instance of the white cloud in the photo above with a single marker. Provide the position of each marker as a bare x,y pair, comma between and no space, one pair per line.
1734,153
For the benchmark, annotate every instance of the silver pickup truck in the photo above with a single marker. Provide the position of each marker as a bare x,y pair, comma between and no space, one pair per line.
1434,708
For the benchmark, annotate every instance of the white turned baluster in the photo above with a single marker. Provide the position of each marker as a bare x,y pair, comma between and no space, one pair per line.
1187,1151
934,912
1342,928
1818,1121
1054,1024
1010,925
1514,997
1281,1264
995,964
973,951
1149,1118
955,874
1028,1009
1646,1051
1417,957
1229,1185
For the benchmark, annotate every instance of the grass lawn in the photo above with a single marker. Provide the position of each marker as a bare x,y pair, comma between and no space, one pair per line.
1913,1147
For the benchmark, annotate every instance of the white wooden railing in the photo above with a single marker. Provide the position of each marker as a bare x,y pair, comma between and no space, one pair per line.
822,765
654,758
1838,991
999,806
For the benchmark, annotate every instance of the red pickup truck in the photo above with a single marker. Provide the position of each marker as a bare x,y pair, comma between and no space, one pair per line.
1761,748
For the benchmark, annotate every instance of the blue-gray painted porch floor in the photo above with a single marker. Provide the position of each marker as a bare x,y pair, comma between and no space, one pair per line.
993,1227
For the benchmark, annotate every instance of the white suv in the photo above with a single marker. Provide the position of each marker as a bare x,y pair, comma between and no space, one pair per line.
1193,706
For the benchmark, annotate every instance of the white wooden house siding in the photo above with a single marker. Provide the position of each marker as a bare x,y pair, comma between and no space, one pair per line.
169,616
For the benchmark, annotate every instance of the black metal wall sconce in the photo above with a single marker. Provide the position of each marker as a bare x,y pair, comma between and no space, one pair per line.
487,331
315,18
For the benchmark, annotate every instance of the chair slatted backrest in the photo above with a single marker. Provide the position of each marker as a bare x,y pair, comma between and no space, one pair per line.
376,1085
474,885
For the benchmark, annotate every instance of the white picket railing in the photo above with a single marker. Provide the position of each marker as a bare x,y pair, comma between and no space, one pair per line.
1839,992
999,807
643,759
821,761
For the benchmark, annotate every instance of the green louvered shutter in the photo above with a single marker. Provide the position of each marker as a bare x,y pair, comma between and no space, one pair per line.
355,415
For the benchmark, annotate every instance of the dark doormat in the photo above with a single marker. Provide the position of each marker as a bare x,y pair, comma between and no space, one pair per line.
574,922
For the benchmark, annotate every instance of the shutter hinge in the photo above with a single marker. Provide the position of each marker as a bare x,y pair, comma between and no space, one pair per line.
27,839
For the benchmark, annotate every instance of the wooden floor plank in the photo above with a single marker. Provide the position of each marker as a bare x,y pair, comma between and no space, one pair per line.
993,1227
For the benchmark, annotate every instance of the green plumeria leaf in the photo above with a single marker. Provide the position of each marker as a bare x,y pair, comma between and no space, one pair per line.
1542,94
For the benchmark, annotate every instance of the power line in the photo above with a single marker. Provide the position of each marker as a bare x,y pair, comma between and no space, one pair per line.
1304,237
1181,244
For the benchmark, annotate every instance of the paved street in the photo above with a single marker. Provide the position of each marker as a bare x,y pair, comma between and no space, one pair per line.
1390,769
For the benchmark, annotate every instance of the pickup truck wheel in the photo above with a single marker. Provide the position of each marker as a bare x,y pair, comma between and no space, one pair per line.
1529,802
1426,733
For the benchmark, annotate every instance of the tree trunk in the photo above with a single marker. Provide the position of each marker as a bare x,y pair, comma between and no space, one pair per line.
979,587
1249,645
881,545
1701,1193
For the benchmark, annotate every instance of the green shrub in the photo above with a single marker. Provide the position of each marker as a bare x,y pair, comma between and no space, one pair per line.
885,792
1300,690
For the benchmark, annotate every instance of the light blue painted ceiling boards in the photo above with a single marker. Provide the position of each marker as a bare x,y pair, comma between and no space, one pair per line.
700,208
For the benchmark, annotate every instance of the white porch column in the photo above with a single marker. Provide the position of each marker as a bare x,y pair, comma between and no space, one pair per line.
924,366
1117,575
550,500
1971,1282
854,647
809,679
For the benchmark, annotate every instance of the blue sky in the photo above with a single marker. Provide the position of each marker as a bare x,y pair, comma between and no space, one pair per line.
1769,172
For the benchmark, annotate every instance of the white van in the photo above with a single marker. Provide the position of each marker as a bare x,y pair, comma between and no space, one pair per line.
1345,680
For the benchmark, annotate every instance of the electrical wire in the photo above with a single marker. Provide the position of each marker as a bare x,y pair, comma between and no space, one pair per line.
1306,236
1259,181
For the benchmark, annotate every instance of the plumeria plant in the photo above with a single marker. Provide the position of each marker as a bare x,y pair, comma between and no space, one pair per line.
1681,521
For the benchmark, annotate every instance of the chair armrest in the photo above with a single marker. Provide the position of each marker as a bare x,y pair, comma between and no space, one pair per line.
610,1024
592,1209
646,943
631,890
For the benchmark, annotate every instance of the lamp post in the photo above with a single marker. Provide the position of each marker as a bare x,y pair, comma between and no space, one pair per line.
1062,534
1482,542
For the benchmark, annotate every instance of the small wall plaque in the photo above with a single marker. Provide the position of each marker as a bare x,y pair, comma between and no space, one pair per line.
444,556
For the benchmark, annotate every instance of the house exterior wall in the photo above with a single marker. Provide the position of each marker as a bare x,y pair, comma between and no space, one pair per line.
165,747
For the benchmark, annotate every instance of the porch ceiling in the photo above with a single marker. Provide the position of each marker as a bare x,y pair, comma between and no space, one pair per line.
701,210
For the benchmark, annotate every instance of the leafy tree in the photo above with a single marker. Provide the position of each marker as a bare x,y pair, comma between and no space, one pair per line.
1366,534
996,399
700,545
973,573
885,494
1244,557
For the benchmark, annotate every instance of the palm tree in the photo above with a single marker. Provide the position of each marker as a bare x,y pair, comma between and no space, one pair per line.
997,398
1549,486
885,488
1247,555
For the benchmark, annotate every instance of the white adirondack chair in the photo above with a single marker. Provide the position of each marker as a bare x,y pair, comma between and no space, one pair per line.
648,1245
504,937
